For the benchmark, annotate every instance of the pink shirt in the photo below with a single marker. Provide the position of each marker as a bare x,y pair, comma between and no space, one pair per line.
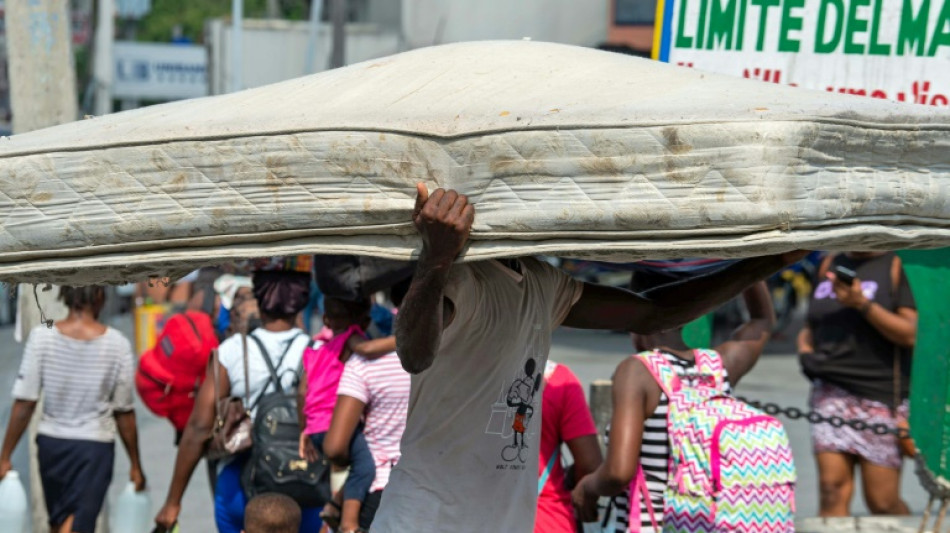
564,416
383,386
324,368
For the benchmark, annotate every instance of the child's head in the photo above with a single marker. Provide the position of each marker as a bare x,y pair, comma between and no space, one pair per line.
272,513
340,314
90,298
645,281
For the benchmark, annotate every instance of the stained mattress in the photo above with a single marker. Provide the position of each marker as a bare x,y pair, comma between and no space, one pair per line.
563,150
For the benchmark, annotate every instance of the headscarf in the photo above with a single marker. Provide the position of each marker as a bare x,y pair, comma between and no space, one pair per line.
227,287
281,292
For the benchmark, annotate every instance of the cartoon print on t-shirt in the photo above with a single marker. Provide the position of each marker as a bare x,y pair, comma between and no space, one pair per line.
520,397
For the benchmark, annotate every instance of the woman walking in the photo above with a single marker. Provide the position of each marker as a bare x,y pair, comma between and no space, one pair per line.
83,370
281,296
856,348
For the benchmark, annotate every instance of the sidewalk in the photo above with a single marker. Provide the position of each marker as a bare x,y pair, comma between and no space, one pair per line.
866,524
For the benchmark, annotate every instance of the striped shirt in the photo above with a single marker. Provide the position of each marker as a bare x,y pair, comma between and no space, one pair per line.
383,386
655,455
83,382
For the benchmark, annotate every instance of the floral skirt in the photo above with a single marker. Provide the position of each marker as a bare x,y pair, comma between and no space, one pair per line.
830,400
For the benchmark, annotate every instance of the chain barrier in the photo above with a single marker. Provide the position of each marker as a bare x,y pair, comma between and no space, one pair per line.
794,413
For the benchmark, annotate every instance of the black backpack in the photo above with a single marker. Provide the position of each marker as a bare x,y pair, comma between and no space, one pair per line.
275,464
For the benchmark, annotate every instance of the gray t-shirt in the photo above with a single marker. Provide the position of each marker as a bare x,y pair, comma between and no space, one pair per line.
83,382
470,448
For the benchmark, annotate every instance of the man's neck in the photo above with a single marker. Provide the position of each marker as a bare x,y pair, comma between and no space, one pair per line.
512,263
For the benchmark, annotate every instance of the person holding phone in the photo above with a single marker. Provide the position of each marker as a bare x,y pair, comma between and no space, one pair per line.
855,348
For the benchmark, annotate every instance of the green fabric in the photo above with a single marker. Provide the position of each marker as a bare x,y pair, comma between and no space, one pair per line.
698,333
929,272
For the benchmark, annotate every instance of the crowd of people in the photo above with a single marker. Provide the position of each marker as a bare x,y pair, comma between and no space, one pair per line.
444,432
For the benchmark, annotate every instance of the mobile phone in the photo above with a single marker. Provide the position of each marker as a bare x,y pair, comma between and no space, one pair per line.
845,275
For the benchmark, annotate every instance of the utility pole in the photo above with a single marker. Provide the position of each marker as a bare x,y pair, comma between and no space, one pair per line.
42,94
237,45
316,12
104,64
273,9
338,19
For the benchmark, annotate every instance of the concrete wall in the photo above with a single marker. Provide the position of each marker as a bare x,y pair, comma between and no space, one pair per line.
429,22
275,50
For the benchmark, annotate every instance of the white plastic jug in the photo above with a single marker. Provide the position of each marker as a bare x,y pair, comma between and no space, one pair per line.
132,512
13,504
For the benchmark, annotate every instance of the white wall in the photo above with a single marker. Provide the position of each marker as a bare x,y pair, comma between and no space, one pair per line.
580,22
276,50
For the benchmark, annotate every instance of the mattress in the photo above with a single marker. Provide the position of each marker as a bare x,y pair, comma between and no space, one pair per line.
563,150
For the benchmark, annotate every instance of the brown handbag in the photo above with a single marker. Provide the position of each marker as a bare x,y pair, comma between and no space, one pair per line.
231,433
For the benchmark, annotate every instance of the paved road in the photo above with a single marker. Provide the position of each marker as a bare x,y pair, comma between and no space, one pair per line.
592,355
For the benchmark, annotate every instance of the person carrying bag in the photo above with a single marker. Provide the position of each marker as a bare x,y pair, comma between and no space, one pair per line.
243,375
275,464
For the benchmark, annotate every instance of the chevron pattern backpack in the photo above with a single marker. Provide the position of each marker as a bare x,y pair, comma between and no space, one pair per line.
731,467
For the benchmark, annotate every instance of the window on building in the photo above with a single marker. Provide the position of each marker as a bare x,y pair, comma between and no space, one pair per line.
634,12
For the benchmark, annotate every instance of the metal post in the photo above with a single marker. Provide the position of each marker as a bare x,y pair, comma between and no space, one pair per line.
338,18
273,9
104,65
237,45
316,12
42,93
601,406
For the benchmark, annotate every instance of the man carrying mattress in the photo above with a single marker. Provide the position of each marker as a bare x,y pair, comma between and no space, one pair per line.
474,335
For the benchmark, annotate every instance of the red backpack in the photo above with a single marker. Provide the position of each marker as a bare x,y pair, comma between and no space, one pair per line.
170,373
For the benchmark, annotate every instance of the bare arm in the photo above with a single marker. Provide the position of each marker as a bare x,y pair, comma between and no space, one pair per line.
346,417
635,396
444,220
898,327
372,348
128,432
671,305
805,342
742,350
20,416
193,443
305,447
586,453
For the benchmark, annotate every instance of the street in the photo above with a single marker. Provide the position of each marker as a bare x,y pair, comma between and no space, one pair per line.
592,355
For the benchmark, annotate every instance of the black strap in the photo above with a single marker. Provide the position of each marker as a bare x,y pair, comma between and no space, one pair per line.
274,377
193,326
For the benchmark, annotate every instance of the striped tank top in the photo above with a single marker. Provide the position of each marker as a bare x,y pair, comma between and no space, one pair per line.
654,458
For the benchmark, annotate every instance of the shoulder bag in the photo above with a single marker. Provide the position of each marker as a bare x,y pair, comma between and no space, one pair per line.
231,433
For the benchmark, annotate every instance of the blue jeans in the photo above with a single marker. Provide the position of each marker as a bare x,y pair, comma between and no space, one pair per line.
362,465
230,501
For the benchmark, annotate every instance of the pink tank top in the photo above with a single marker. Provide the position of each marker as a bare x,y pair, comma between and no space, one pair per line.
324,369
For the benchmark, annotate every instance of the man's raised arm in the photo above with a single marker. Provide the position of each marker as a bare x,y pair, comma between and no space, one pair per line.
444,220
671,305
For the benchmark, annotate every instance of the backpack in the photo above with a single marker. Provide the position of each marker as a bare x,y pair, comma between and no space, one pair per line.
275,464
170,373
731,466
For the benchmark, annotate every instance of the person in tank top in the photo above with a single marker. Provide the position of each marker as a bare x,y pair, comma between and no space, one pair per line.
638,428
